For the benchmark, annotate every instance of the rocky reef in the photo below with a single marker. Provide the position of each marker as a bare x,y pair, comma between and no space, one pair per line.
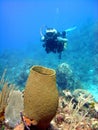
76,110
66,78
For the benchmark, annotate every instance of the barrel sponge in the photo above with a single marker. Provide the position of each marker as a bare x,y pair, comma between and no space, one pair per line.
41,96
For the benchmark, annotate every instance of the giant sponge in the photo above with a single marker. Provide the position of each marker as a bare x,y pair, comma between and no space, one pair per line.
41,96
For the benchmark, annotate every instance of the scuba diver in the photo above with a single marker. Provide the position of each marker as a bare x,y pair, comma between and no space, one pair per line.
54,41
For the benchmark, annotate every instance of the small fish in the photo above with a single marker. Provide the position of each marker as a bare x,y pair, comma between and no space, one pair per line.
94,105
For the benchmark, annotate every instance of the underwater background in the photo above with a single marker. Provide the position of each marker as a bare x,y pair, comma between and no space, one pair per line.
21,47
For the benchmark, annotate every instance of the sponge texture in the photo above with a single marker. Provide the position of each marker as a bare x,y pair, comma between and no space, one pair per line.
41,96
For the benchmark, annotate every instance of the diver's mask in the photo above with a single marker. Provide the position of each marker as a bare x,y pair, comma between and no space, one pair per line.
51,31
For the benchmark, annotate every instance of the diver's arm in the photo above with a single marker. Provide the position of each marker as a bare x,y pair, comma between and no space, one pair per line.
70,29
60,39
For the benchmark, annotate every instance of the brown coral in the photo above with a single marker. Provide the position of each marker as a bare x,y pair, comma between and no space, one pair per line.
4,94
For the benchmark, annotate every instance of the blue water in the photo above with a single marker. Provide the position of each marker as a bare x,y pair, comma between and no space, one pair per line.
20,45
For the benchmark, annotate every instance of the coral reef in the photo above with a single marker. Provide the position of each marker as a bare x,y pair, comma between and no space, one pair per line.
22,77
77,110
72,115
81,94
66,78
